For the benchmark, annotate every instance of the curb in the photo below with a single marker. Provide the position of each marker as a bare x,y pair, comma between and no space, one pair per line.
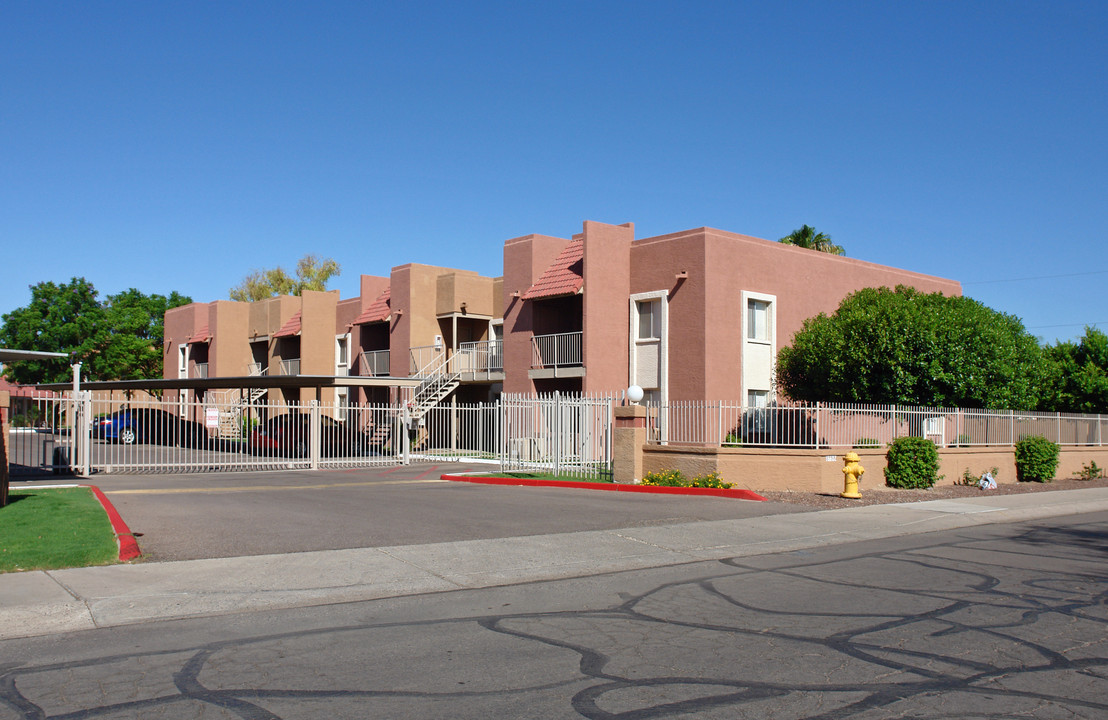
128,546
733,493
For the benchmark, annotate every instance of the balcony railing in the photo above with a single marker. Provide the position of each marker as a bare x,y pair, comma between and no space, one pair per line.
424,357
479,357
256,369
375,362
290,367
200,370
556,351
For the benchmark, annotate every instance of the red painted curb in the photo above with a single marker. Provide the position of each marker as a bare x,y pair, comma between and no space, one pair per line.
733,493
128,546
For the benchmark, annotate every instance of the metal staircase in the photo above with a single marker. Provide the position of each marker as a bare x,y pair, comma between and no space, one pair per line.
232,402
437,384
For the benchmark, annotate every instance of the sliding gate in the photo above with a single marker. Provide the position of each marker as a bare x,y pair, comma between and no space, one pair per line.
63,434
564,435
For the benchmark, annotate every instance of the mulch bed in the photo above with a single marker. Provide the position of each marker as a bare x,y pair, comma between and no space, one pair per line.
880,496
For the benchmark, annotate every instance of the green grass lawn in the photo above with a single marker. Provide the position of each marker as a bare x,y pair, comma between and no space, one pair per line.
53,529
549,476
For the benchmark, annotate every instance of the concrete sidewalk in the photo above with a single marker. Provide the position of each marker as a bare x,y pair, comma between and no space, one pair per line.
41,603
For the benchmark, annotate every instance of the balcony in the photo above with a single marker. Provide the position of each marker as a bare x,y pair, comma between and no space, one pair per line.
255,369
200,370
479,361
375,362
426,360
557,355
290,367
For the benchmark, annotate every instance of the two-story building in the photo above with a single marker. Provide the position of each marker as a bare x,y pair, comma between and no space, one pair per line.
693,315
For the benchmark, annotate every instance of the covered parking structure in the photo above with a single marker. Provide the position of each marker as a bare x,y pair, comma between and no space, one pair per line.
216,424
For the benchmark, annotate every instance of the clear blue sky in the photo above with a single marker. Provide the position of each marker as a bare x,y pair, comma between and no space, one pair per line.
179,145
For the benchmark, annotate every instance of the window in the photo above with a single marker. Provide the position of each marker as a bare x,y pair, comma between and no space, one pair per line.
342,352
342,404
757,398
757,320
650,319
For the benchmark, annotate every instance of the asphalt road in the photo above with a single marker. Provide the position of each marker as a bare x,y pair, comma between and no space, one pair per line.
186,517
992,621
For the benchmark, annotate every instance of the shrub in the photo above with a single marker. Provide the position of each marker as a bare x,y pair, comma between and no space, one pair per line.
665,478
969,478
1036,459
913,463
862,443
963,441
675,478
711,480
1090,471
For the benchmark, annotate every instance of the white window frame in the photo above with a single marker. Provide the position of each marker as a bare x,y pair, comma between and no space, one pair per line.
183,360
342,403
342,341
771,341
633,338
771,317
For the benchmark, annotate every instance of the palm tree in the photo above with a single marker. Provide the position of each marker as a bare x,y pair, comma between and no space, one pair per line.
807,237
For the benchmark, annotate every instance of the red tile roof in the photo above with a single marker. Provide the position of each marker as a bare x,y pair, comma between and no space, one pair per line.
292,327
563,277
202,335
378,311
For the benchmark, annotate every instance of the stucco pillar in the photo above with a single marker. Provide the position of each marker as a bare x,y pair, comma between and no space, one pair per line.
629,437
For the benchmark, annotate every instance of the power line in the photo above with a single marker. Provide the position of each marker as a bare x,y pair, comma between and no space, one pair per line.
1037,277
1089,324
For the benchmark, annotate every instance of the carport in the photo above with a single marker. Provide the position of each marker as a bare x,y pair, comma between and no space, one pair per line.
198,440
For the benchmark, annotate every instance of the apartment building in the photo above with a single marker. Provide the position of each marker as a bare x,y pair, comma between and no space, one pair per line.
412,321
693,315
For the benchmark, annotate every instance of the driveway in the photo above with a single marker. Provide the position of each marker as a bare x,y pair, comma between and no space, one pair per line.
186,517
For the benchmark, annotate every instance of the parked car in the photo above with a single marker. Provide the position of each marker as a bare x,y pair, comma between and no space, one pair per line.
148,425
290,434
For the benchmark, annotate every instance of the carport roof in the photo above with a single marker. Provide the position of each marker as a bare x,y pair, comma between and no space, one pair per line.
7,355
242,381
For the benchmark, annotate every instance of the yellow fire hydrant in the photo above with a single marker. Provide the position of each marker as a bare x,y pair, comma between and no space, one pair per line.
852,472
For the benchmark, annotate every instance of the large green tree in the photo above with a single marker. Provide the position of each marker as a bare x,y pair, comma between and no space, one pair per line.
312,273
807,237
913,348
1080,377
117,339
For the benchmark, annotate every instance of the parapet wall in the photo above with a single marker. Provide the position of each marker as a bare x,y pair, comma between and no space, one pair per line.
821,470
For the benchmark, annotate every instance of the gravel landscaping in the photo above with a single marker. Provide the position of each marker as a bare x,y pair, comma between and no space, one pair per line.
882,495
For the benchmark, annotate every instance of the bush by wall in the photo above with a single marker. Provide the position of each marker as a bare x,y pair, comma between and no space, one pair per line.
913,463
1036,459
675,478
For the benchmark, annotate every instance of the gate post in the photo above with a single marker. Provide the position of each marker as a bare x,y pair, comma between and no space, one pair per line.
629,437
314,434
4,395
83,434
405,434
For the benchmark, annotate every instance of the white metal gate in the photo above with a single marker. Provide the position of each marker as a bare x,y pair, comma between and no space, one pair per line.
209,434
560,434
555,433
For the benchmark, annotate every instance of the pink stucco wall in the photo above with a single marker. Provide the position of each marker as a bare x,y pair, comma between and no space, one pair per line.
607,273
525,259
